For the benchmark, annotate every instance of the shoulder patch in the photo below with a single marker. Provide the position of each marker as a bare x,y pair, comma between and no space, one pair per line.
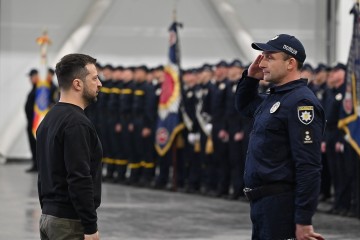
306,114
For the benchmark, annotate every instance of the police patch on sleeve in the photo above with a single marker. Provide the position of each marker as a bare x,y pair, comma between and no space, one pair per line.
306,114
307,136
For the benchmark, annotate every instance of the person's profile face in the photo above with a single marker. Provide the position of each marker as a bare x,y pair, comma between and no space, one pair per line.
92,84
274,67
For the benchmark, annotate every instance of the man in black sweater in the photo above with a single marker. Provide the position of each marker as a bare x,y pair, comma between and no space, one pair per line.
69,155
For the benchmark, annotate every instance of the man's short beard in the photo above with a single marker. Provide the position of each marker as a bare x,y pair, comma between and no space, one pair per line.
89,99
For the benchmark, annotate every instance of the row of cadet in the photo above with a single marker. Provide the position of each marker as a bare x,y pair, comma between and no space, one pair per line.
208,155
341,169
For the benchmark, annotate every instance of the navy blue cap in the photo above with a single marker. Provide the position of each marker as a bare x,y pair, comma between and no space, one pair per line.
222,63
307,67
119,68
283,43
206,67
321,67
142,67
33,72
108,66
339,66
51,71
236,63
160,68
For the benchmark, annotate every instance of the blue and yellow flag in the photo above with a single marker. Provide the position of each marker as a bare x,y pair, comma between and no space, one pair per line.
350,112
42,94
168,123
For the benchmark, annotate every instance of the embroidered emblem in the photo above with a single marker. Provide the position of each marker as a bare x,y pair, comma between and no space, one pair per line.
306,114
274,107
222,86
338,97
234,88
189,94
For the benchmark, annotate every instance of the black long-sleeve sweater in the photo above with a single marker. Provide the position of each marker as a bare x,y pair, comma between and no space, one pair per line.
69,160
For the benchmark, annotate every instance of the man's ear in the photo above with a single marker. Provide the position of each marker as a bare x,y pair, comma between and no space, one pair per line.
292,64
77,84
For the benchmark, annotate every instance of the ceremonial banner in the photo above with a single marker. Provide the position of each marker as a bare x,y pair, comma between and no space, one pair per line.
168,123
42,94
349,115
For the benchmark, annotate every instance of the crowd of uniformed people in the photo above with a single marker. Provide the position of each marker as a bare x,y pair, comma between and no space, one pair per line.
208,155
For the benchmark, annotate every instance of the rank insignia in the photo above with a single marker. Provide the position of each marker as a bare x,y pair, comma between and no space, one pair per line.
307,136
306,114
274,107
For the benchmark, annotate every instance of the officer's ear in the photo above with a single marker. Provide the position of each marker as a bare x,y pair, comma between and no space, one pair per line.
292,64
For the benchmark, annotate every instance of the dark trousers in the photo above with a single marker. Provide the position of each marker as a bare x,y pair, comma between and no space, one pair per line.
221,160
209,169
237,164
32,142
325,177
54,228
273,217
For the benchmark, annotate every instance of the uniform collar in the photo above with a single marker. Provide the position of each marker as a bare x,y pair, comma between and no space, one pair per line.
289,86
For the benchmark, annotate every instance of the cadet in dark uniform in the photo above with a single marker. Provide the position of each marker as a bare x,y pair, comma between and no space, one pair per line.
236,132
220,136
318,86
204,117
113,125
126,101
141,126
332,101
192,161
29,110
283,165
102,111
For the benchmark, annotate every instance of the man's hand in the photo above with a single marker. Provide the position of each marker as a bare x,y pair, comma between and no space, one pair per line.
323,147
339,147
131,127
223,135
306,232
146,132
254,70
238,136
94,236
118,127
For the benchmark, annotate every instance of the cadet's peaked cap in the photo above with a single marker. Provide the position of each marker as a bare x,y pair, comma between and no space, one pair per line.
33,72
339,66
236,63
222,63
283,43
307,67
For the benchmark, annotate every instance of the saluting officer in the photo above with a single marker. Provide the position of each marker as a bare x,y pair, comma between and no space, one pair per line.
283,165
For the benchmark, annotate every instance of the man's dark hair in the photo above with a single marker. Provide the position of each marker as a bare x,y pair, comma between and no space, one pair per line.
287,57
72,66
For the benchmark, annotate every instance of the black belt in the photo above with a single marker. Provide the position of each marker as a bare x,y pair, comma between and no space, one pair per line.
253,194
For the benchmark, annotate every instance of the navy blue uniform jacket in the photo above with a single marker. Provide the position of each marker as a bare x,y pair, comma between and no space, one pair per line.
285,142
